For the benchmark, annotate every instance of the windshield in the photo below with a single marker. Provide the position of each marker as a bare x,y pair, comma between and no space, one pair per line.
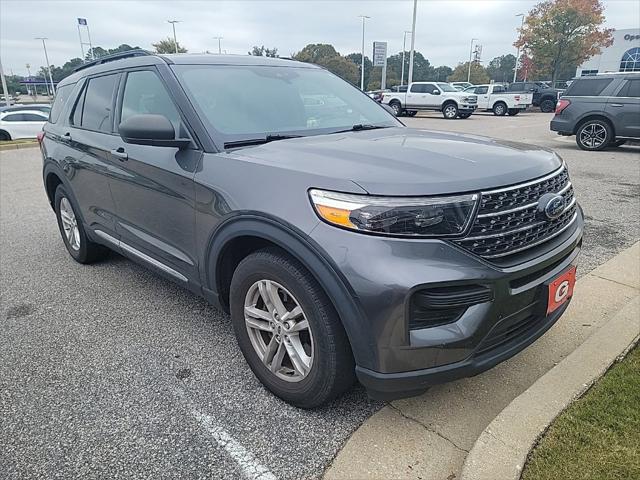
445,87
250,102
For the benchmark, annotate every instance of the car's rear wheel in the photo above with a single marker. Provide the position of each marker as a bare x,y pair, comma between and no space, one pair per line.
288,330
513,112
397,108
450,111
4,136
75,239
500,109
594,135
547,105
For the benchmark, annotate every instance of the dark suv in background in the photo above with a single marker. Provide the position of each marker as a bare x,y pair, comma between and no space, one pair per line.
341,242
544,96
601,110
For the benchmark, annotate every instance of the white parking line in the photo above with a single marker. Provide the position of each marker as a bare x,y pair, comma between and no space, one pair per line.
251,468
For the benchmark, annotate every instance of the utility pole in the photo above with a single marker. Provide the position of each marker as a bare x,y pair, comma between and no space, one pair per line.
7,97
470,57
362,62
404,47
173,25
219,44
515,69
46,57
413,42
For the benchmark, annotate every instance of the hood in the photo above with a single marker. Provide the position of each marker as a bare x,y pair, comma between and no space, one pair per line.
406,161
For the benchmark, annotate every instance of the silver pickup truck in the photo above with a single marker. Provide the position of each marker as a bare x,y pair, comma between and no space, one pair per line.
438,96
494,97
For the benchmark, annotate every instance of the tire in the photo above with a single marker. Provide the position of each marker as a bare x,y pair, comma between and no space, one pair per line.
450,111
412,113
75,239
513,112
397,108
464,115
547,105
4,136
617,143
327,362
500,109
594,135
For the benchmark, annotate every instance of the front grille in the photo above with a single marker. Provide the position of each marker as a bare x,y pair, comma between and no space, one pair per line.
508,220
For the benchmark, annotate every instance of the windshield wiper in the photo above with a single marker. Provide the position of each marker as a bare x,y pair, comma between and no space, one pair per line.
362,126
258,141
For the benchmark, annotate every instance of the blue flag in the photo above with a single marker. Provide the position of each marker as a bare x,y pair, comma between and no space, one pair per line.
82,21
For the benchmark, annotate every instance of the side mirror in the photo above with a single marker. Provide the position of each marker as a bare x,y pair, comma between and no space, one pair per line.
435,92
388,109
151,129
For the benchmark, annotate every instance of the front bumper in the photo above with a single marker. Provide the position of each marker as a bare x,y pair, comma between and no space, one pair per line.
395,359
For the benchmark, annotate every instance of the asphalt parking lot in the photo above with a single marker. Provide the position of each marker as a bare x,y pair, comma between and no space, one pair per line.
110,371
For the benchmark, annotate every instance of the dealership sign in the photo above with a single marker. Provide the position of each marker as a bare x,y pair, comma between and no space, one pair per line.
379,54
631,38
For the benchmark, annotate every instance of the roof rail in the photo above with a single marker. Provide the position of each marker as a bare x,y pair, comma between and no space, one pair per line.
138,52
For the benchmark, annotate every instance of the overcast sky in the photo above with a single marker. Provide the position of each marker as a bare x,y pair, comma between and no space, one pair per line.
443,30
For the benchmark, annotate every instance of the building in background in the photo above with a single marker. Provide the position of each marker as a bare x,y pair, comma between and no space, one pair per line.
623,55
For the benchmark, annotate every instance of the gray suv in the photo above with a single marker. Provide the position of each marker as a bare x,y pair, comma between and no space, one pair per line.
601,111
342,243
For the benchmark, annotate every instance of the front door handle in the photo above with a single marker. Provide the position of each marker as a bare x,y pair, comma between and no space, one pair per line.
616,105
120,154
66,137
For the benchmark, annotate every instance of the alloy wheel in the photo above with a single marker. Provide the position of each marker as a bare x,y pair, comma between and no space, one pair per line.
450,111
278,330
70,224
593,135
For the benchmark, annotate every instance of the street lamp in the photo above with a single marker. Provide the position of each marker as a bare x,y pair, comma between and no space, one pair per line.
404,47
46,57
515,69
470,56
219,44
362,64
413,42
173,25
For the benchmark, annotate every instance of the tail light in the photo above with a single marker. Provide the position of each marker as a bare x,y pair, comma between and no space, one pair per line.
562,104
40,137
517,98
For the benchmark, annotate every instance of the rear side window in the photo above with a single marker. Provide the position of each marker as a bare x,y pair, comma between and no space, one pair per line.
482,90
587,87
94,108
62,95
630,89
14,117
32,117
421,88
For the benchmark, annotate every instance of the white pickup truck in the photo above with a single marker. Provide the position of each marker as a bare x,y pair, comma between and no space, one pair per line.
438,96
495,97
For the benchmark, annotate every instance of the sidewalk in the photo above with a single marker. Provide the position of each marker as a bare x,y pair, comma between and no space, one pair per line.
429,437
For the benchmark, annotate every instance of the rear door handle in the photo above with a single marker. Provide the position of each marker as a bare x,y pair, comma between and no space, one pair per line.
616,105
120,154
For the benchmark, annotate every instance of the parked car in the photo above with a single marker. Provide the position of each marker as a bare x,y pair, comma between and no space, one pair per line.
342,243
543,96
601,111
495,97
41,107
437,96
461,85
17,124
377,94
400,88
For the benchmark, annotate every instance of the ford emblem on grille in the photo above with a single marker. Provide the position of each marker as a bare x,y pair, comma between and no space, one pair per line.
551,205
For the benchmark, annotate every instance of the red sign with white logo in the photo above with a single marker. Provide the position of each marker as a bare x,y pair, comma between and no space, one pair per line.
561,289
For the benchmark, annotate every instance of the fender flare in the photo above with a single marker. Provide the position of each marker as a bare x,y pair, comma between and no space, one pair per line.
307,252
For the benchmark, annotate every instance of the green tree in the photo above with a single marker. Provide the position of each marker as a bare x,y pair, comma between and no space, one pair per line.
13,84
422,69
478,73
356,58
263,52
500,69
442,73
167,45
326,56
557,33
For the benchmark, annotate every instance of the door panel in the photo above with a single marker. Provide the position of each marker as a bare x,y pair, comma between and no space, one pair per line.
417,97
624,109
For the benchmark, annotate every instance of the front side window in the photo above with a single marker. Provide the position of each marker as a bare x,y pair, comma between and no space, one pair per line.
631,60
587,87
249,102
421,88
93,111
144,93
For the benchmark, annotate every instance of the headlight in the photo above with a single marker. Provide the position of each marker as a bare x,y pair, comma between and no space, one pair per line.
415,216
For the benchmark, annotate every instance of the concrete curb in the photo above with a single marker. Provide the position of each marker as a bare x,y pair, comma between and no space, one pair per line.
18,146
502,449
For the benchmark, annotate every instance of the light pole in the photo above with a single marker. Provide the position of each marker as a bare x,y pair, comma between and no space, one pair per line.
46,58
515,69
219,44
364,17
173,25
7,97
413,42
470,56
404,47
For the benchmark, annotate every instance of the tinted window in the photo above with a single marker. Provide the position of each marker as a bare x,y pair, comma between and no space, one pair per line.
630,89
32,117
62,95
516,87
482,90
498,89
587,87
421,88
145,93
14,117
97,105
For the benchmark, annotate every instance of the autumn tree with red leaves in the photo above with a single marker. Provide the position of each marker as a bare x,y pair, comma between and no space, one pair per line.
557,33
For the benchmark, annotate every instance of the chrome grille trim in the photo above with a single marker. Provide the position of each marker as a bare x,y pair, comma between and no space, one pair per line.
526,184
523,207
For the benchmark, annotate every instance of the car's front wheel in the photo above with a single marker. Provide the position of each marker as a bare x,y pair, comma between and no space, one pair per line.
397,108
594,135
4,136
288,330
450,111
75,239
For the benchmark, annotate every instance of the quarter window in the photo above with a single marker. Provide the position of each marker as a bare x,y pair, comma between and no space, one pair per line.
587,87
93,110
482,90
630,89
62,95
